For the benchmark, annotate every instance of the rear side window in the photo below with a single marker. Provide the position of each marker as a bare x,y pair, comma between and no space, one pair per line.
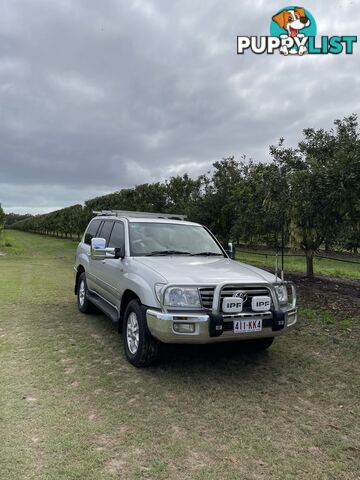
92,230
117,238
106,231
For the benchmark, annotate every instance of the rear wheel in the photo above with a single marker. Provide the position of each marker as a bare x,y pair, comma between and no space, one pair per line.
84,304
141,348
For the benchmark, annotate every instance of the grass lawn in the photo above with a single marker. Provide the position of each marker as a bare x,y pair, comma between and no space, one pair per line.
71,407
322,266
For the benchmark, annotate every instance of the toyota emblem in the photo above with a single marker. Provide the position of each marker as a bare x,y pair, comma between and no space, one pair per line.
240,294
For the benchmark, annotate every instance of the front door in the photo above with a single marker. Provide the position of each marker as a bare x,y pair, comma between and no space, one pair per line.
97,267
111,273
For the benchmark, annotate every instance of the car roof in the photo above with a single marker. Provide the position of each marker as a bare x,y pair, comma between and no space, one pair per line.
147,220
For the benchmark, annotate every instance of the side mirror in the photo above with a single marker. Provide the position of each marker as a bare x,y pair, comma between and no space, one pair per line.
230,250
98,243
98,250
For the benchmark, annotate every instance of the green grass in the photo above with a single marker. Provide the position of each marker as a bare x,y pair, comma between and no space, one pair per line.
8,243
71,407
322,266
324,319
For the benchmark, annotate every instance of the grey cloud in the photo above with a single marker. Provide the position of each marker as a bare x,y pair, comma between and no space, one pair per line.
96,96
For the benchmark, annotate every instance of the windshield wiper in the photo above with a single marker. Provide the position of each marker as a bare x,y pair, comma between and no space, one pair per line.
208,254
167,252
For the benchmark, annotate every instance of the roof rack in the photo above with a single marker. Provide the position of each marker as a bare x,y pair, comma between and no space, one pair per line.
125,213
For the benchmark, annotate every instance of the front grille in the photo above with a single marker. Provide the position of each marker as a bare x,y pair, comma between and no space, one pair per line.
207,295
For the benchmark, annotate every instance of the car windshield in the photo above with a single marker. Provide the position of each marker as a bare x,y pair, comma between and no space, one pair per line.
150,239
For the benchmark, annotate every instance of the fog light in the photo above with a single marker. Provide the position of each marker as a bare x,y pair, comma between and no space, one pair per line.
184,327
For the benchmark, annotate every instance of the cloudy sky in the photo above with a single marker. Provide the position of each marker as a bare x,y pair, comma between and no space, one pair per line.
100,95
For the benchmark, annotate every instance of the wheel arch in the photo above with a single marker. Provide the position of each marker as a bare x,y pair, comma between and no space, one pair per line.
125,300
79,271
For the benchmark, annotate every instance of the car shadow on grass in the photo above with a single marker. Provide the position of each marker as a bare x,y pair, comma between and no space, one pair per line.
216,353
226,361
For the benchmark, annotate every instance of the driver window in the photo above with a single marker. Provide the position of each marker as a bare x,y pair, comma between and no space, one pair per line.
117,239
106,230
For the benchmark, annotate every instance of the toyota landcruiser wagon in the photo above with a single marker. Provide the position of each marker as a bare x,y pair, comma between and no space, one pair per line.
164,279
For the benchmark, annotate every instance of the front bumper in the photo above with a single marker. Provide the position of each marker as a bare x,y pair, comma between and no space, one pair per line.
205,325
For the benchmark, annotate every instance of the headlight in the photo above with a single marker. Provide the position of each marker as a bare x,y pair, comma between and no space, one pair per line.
182,297
281,292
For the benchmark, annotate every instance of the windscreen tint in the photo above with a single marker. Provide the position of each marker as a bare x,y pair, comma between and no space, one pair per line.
147,238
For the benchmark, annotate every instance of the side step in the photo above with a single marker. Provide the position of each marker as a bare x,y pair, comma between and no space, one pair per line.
104,306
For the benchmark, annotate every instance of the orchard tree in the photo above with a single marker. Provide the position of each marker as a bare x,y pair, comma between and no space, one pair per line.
262,201
2,220
15,217
218,207
2,217
347,174
311,214
182,195
323,175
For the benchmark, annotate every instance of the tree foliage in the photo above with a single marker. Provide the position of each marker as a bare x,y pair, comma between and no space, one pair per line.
65,222
2,223
2,216
323,174
11,218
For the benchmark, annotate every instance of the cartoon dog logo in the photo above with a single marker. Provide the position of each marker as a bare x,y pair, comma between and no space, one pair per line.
292,20
293,32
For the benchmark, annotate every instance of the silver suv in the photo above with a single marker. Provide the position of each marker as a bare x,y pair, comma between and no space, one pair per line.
164,279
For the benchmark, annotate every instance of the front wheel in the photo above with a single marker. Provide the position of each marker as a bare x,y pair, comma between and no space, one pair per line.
84,304
141,348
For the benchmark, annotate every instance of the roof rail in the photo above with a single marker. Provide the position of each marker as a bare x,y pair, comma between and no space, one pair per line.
125,213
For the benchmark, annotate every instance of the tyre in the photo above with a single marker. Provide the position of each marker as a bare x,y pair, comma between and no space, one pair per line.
141,348
84,304
260,344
